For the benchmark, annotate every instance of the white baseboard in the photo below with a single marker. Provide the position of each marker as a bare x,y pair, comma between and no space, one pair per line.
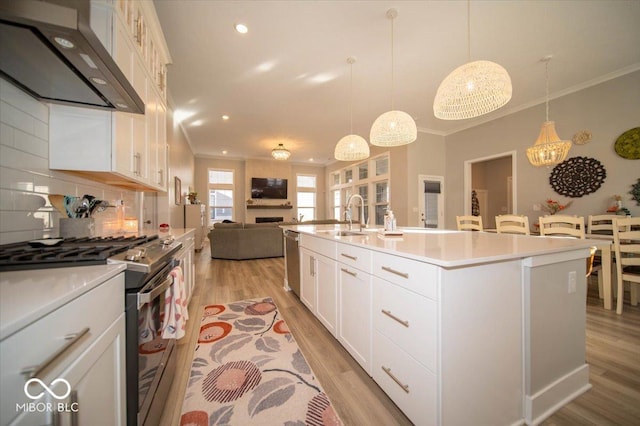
547,401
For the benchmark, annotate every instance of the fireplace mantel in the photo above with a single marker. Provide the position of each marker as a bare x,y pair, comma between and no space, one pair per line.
265,207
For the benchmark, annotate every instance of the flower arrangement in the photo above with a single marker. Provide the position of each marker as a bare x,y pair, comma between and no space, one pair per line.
553,206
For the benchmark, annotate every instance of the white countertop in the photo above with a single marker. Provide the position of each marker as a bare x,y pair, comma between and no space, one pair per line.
179,233
26,296
449,248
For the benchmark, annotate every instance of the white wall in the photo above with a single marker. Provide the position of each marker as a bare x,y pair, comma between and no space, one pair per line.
25,177
607,110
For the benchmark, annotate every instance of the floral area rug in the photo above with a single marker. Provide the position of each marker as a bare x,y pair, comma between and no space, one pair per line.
248,370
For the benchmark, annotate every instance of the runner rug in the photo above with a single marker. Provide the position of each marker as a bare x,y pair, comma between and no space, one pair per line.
248,370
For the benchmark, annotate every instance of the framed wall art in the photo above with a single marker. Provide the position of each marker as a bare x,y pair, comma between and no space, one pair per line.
178,191
577,176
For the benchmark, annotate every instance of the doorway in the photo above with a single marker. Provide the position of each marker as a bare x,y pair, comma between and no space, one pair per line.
431,201
495,177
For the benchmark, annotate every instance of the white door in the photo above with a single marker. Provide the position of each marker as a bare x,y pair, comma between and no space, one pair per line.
431,201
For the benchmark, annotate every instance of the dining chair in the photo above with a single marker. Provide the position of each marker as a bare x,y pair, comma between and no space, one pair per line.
601,223
562,225
567,226
512,224
469,223
626,243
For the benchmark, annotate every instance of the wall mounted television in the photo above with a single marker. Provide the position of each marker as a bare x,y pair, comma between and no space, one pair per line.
269,188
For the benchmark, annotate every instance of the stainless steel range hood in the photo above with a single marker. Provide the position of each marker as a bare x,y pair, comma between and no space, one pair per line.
50,51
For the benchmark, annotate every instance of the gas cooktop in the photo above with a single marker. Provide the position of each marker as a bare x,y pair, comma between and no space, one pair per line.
58,253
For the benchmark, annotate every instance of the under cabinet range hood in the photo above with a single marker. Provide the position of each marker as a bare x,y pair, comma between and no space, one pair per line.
50,50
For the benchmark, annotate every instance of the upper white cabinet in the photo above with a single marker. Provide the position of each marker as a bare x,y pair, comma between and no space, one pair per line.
119,148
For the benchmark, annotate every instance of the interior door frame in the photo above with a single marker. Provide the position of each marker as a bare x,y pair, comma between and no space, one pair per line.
441,205
467,178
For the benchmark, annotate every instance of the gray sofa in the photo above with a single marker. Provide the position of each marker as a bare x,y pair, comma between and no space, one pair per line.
240,241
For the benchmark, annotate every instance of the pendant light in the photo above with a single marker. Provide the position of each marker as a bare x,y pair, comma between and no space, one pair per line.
351,147
549,149
393,128
280,152
473,89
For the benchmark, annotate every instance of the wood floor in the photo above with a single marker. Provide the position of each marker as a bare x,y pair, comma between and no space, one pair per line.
613,351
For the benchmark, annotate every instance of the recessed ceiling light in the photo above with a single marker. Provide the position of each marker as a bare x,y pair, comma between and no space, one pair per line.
197,123
225,117
67,44
311,160
241,28
225,152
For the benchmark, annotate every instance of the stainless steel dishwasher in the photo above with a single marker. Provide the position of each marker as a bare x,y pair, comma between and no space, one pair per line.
292,260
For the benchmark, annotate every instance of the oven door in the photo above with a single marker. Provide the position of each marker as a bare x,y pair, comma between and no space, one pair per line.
150,358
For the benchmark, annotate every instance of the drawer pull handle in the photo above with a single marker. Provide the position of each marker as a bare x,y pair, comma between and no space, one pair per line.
393,271
348,256
32,372
390,315
353,274
395,379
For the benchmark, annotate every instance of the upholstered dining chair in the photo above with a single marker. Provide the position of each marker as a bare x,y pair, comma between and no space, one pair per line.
512,224
566,226
626,244
469,223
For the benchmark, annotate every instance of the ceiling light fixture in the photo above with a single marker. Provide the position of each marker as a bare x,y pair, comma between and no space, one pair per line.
393,128
241,28
473,89
351,147
225,117
280,152
549,149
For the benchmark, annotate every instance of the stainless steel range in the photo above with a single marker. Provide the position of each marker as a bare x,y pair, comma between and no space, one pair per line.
150,360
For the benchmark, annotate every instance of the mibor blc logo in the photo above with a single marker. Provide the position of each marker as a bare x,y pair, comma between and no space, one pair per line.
38,407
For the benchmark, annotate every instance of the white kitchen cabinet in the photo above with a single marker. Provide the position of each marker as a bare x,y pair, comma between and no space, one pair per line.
90,355
319,288
118,148
308,285
354,330
195,217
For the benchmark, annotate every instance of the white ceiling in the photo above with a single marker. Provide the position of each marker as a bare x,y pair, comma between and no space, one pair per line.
287,80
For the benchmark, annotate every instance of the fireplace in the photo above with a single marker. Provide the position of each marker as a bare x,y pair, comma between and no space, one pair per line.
269,219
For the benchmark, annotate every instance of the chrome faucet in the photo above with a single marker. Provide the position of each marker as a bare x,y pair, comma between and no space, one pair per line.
363,223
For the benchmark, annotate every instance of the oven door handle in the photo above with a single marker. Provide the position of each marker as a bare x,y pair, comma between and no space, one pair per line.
144,298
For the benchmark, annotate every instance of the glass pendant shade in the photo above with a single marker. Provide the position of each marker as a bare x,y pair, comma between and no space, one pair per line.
351,148
549,149
280,152
471,90
393,128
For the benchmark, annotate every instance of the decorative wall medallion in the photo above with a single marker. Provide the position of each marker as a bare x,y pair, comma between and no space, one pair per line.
582,137
628,144
577,176
635,192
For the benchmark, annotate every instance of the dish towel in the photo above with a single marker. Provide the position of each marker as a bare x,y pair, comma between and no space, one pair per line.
175,307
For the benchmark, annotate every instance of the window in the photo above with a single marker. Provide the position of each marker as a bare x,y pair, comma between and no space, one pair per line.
221,189
370,179
306,196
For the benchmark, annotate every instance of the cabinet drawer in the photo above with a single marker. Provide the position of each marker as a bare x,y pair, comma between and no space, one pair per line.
407,319
412,387
97,310
419,277
319,245
356,257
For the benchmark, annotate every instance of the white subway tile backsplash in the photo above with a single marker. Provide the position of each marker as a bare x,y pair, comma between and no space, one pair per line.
16,179
25,177
14,158
11,95
31,144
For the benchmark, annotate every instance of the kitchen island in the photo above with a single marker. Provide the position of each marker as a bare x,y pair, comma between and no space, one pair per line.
456,327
